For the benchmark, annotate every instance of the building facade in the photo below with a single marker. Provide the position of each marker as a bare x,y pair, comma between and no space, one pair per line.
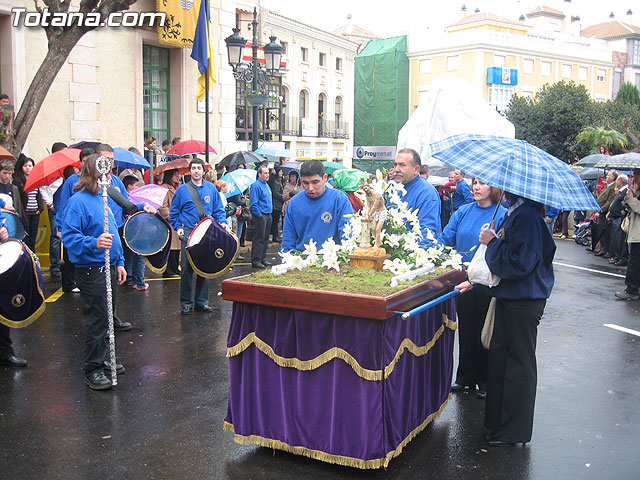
501,57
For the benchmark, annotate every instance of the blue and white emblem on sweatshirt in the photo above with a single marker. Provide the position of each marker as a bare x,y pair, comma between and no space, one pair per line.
326,217
207,199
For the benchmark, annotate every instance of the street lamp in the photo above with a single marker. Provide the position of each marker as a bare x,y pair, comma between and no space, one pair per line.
253,73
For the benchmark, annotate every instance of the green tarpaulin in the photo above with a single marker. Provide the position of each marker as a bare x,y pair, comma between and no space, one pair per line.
381,92
371,166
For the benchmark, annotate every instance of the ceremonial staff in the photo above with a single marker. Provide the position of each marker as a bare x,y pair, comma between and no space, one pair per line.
103,165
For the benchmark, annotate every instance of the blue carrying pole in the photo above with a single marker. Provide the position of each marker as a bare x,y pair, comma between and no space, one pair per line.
428,305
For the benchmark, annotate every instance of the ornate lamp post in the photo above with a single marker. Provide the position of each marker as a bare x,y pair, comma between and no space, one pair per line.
253,74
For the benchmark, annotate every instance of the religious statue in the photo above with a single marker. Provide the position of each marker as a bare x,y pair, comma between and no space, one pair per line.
374,213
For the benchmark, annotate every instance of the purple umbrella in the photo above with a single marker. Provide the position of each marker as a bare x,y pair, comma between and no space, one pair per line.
151,194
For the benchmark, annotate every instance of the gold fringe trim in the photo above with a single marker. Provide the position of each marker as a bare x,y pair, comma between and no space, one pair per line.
335,459
336,352
298,364
154,269
450,324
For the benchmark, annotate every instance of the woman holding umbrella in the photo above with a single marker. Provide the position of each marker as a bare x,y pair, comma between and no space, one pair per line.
32,202
170,180
462,233
632,279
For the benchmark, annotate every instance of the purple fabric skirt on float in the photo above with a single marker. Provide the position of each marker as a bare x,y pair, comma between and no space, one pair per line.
345,390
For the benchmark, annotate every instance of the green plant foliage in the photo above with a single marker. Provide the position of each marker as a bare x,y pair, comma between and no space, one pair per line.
554,118
628,94
595,136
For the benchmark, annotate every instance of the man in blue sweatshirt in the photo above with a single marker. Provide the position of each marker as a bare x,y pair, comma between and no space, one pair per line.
84,237
184,216
319,214
261,206
462,194
419,193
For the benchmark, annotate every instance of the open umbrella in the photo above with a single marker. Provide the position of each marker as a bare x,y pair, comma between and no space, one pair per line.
330,167
289,166
591,173
190,147
275,152
85,144
151,194
623,161
180,164
239,180
51,168
241,158
516,167
126,159
5,154
590,160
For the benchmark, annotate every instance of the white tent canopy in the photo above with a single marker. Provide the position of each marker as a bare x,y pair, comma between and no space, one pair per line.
452,106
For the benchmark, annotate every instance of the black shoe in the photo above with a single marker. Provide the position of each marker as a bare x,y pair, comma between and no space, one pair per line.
482,394
621,263
121,326
119,368
96,380
266,263
588,250
186,310
601,253
203,308
456,387
13,361
258,265
276,240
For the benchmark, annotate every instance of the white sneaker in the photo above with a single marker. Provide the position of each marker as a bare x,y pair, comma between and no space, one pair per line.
563,236
75,290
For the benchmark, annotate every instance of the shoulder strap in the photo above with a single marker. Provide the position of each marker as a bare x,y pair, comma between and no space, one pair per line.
197,201
127,205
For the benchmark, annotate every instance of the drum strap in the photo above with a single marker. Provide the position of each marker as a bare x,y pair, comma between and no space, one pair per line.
127,205
196,200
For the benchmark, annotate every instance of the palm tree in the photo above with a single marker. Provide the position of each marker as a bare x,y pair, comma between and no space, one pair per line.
596,136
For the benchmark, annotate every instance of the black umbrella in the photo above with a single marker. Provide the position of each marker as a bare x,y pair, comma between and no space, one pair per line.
240,158
83,145
590,160
623,161
591,173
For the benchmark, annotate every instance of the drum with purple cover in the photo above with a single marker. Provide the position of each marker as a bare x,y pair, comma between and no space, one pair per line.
211,250
14,224
21,295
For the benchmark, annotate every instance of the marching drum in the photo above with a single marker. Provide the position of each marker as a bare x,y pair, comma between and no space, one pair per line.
21,296
149,235
211,249
14,225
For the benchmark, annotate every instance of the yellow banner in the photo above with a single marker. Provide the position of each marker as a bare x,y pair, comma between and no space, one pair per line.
180,25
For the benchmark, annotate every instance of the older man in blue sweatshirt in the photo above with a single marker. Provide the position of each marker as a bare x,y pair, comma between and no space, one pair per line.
261,206
319,214
184,216
419,193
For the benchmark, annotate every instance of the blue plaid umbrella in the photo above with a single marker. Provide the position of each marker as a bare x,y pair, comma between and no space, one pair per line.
239,180
516,167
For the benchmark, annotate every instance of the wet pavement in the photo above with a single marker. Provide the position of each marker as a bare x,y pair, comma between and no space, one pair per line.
164,419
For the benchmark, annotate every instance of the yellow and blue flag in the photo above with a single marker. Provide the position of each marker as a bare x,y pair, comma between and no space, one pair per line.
180,23
202,51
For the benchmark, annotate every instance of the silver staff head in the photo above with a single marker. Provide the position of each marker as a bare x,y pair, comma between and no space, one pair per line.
103,165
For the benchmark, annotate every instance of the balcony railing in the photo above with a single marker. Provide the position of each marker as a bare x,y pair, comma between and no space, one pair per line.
309,127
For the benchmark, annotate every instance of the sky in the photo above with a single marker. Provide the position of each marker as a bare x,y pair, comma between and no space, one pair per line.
396,17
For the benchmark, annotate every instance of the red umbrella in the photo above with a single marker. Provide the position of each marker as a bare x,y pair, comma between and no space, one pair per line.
51,168
190,147
180,164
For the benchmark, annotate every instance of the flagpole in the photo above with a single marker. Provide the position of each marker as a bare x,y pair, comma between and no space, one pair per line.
206,88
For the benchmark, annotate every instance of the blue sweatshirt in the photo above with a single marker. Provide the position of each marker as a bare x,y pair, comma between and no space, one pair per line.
183,212
420,194
318,219
66,192
83,225
465,225
523,258
260,198
462,195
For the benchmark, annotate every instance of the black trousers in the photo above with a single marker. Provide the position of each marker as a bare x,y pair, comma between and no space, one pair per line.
601,232
172,263
472,357
91,282
6,350
67,270
260,242
275,221
619,245
512,375
632,279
